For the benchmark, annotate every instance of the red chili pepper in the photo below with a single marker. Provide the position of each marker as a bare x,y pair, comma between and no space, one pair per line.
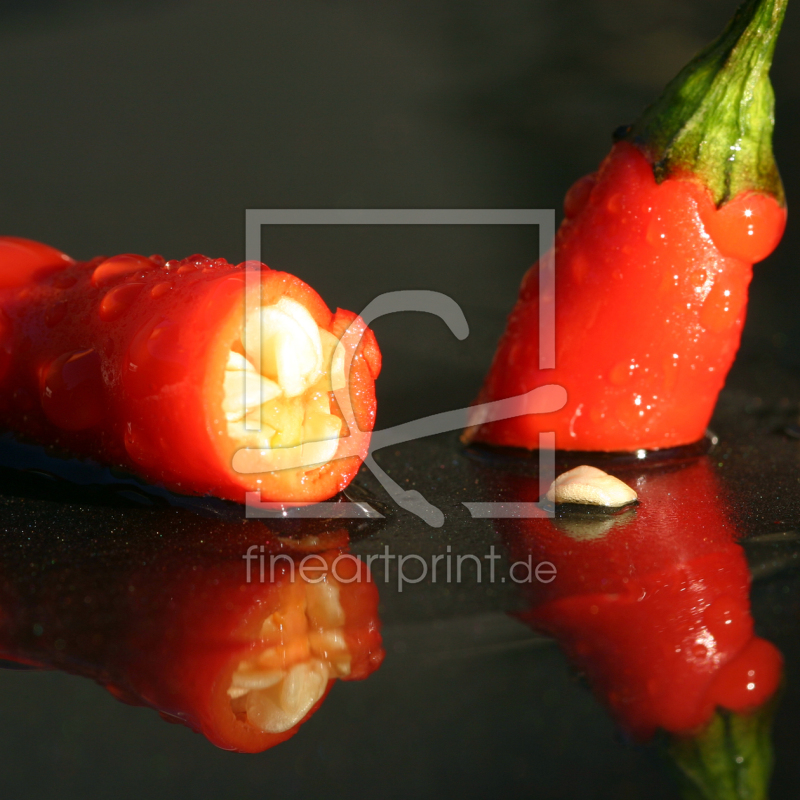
141,364
245,663
653,260
652,604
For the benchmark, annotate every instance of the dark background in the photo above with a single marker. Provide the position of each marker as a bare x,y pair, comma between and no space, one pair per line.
151,126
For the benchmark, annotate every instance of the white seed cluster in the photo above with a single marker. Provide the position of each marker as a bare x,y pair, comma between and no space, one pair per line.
278,687
586,485
300,364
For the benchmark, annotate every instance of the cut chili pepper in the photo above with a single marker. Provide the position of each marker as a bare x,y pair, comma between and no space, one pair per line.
652,605
141,364
653,262
237,651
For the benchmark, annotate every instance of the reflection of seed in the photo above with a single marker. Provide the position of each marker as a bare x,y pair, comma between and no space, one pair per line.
586,485
327,641
279,685
324,609
303,687
281,707
585,527
341,666
269,627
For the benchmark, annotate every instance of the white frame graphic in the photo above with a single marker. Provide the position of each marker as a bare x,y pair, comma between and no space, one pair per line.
543,399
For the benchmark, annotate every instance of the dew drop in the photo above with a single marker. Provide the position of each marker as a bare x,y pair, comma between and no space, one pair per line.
656,234
157,358
118,299
117,267
722,307
22,259
578,196
162,287
724,619
138,448
55,313
73,394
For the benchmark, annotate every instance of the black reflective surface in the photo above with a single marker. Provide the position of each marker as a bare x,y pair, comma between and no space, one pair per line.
468,695
152,127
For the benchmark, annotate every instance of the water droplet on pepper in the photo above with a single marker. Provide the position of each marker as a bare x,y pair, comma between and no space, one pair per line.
723,306
73,394
156,358
118,299
55,313
578,196
138,448
117,267
160,288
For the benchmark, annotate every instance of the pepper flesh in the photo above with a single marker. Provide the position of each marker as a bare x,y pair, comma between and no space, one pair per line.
140,364
651,281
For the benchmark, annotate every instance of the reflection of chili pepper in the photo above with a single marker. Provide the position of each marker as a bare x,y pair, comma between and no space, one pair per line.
652,605
140,364
244,663
653,260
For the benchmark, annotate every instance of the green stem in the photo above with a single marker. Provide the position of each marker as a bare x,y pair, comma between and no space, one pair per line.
715,119
731,759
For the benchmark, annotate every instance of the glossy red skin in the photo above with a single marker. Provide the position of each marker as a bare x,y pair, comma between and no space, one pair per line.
28,259
651,291
656,613
173,637
122,360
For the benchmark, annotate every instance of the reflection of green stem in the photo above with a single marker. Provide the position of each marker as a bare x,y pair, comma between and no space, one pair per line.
731,759
715,119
